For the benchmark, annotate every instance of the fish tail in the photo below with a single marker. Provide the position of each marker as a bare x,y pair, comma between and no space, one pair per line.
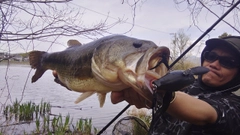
35,60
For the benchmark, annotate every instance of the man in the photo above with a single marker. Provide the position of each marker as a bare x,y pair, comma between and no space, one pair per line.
207,107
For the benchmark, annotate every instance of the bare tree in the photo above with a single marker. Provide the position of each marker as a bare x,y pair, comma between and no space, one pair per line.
196,7
180,42
224,35
27,23
43,20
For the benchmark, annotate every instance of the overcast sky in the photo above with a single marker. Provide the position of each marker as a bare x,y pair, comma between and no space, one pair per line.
155,20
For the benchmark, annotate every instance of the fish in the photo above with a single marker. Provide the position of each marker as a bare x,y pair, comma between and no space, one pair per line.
111,63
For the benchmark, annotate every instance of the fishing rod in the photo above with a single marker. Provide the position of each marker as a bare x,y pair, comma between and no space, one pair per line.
205,33
174,62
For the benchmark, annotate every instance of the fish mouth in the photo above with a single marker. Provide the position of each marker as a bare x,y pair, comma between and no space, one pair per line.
150,76
157,66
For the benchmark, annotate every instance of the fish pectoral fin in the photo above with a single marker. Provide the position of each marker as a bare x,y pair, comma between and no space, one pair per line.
101,98
83,96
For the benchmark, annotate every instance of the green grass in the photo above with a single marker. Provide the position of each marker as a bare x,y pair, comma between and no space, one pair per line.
39,115
26,111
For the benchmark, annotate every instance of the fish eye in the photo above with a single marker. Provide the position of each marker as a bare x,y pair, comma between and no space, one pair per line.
137,45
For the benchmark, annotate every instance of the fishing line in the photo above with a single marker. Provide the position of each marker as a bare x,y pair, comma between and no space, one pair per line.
187,50
119,114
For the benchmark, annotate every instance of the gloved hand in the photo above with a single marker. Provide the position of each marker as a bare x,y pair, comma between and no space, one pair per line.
178,79
171,82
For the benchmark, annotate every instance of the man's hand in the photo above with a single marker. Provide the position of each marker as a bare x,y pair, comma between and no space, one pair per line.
131,96
57,79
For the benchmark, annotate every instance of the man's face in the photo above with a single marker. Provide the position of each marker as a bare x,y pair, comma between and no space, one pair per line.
218,74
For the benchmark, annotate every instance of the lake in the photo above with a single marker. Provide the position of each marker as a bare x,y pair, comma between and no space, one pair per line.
15,83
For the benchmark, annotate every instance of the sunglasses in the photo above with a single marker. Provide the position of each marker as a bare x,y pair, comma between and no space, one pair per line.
225,61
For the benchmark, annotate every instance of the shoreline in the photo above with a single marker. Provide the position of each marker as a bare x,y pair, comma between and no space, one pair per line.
9,63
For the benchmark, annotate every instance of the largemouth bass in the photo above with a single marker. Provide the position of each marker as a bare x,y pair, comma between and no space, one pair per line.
111,63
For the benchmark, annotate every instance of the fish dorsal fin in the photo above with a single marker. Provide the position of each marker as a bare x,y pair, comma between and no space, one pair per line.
73,42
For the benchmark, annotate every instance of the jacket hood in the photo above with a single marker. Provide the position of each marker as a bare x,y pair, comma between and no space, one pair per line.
231,42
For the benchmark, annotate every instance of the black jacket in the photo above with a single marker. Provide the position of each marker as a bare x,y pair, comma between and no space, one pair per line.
224,101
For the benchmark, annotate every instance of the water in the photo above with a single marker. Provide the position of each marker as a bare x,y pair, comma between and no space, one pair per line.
15,83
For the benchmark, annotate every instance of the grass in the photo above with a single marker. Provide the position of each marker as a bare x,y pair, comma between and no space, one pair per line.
44,123
63,126
40,116
26,111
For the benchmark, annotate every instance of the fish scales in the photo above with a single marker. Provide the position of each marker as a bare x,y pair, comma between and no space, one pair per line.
66,65
111,63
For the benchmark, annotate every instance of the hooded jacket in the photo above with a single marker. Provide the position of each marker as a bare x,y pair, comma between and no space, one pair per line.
226,104
233,43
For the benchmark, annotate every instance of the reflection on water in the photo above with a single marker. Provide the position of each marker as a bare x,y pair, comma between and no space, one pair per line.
15,83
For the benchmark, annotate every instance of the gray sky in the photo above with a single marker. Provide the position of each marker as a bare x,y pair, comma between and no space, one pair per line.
156,20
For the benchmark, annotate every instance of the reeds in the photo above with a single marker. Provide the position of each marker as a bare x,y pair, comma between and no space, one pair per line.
26,111
63,126
44,124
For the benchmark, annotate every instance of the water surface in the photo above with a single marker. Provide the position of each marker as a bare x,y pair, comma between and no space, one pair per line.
15,83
